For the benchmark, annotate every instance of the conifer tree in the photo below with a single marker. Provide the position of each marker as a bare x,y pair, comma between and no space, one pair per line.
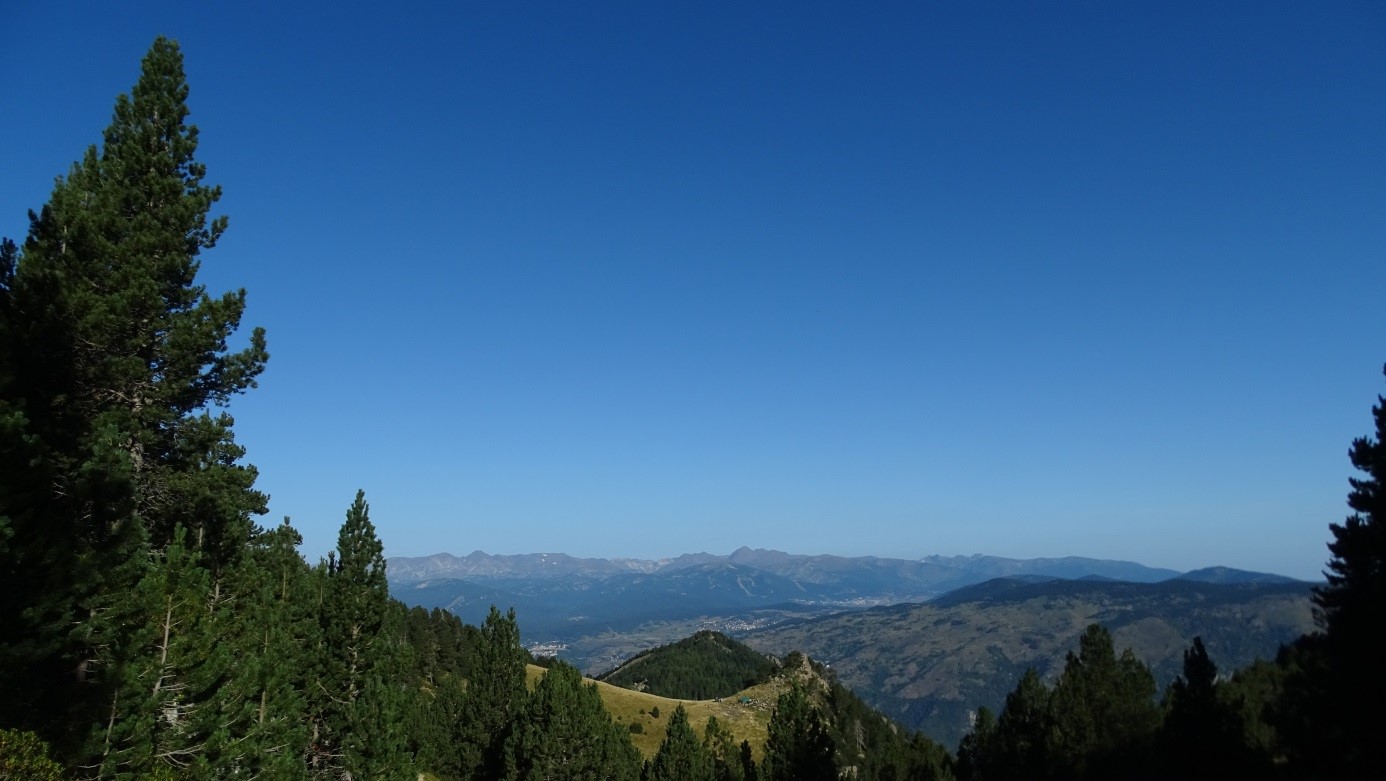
1103,710
1338,705
977,749
749,769
357,708
1024,729
111,358
495,694
681,756
163,675
565,732
1202,736
435,725
261,711
722,752
797,744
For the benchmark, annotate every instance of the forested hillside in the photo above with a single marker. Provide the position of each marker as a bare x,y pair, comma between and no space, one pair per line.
930,666
701,667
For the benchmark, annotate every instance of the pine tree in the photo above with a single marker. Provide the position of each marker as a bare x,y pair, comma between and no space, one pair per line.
722,752
435,724
565,732
1202,735
111,356
977,749
261,710
1103,711
1339,705
797,744
163,675
495,694
1024,729
681,756
357,707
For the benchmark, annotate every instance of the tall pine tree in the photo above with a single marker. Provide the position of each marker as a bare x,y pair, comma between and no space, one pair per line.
1103,711
495,694
681,756
261,711
797,743
357,707
565,732
112,357
1332,715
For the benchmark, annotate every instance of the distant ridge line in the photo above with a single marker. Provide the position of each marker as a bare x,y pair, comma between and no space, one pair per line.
939,572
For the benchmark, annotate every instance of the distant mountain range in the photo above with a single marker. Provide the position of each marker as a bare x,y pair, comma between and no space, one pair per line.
859,574
926,641
582,603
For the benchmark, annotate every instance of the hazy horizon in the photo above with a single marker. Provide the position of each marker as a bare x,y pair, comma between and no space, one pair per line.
665,558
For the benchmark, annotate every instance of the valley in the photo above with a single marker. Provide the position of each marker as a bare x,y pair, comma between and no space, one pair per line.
925,641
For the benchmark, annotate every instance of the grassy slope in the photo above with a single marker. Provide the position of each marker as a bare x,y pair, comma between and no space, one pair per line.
744,721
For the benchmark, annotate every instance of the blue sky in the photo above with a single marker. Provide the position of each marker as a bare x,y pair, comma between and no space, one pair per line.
645,278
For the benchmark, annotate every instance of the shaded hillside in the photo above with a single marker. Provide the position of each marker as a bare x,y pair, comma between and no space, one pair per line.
928,665
704,666
1230,575
986,567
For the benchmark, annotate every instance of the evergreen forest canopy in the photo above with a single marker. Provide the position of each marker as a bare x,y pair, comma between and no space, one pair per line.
151,628
701,667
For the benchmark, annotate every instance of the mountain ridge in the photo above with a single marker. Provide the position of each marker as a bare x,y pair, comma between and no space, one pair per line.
933,573
929,665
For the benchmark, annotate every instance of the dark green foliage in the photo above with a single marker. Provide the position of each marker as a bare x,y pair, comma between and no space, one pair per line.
274,624
701,667
1019,743
357,707
977,750
681,756
565,732
1203,736
164,676
1334,714
797,745
1024,730
1103,711
111,358
495,694
1098,721
723,755
749,769
1253,696
869,746
885,654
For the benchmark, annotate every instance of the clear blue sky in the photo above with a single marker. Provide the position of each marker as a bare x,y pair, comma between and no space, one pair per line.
644,278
